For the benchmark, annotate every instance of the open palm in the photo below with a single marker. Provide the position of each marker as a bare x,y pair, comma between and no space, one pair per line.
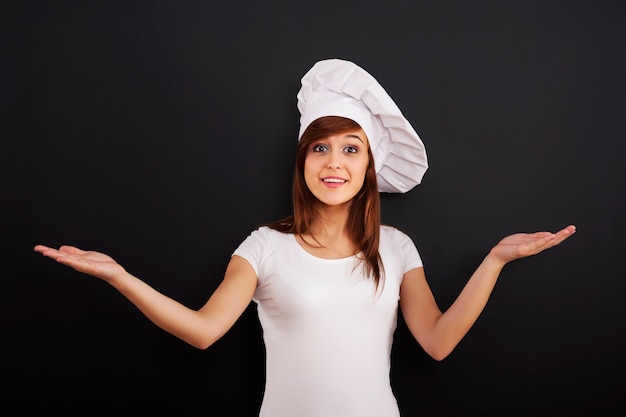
89,262
521,245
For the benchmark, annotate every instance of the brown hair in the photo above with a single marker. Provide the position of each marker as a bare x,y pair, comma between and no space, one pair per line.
364,219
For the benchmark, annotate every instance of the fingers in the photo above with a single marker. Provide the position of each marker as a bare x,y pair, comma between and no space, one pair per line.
553,239
66,255
71,250
563,234
40,248
65,249
560,235
56,254
541,235
567,231
47,251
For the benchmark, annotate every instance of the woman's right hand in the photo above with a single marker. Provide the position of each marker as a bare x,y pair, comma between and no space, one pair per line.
89,262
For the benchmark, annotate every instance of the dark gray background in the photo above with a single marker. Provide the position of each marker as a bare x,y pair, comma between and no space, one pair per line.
163,132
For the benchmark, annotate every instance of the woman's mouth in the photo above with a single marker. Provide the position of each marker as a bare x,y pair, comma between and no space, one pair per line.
333,182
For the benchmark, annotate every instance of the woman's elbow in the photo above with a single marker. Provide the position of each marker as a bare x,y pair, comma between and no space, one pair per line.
203,341
201,345
438,355
438,351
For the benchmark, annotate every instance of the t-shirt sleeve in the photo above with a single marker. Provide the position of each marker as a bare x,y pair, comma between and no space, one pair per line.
251,249
412,258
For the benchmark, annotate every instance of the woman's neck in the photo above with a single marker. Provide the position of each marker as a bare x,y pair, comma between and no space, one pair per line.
333,221
328,236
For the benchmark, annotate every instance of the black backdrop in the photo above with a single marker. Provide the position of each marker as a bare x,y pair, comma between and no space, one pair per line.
163,132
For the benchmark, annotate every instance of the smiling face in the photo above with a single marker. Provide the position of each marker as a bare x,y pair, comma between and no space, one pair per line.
335,167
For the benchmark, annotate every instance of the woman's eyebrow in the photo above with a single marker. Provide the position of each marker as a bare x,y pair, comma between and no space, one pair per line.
355,136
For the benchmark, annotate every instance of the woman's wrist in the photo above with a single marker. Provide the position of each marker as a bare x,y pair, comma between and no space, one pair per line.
495,261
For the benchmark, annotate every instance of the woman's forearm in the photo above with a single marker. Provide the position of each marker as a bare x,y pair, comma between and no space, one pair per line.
454,324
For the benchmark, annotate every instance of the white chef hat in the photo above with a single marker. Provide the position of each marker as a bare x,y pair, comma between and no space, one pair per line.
335,87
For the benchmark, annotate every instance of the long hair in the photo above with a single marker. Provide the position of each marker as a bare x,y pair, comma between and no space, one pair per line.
364,218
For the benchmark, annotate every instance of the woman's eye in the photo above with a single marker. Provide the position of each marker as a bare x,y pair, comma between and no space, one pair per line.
351,149
319,148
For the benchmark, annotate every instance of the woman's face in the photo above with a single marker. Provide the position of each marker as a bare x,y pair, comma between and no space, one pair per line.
335,167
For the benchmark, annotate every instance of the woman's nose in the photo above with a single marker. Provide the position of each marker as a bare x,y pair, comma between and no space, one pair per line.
334,160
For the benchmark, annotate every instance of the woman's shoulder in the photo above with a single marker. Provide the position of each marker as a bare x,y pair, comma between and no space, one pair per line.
394,243
392,236
269,231
261,240
267,234
392,232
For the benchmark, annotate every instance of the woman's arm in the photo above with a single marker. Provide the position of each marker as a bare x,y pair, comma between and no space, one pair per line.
199,328
439,333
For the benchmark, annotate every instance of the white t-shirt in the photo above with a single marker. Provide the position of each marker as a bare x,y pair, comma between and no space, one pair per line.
327,331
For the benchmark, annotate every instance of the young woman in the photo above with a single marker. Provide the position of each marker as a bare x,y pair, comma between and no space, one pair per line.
328,280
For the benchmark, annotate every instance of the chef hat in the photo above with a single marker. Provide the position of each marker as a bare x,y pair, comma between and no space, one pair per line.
335,87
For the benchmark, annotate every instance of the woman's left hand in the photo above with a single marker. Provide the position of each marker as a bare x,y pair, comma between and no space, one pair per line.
521,245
